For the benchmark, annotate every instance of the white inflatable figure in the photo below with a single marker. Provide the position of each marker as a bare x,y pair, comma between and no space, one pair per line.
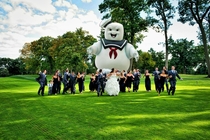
113,51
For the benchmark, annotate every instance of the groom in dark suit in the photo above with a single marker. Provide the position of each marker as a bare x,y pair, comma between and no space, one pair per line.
136,80
42,82
65,81
100,83
172,74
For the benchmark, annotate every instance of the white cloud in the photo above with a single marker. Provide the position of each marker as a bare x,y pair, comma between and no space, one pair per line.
41,5
87,1
20,16
2,27
63,3
23,24
6,7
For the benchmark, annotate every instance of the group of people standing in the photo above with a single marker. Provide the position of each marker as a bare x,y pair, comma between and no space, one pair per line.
68,79
162,78
71,79
112,82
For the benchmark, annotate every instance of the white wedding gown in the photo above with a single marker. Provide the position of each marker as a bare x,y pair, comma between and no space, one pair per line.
112,86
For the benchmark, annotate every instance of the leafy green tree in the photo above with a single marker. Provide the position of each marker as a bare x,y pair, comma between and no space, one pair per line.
4,71
128,13
158,57
164,10
16,67
66,51
194,12
185,55
137,65
201,67
69,50
13,66
36,55
146,61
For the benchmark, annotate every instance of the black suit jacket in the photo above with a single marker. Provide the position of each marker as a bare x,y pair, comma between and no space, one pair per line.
174,75
156,75
42,78
65,77
100,78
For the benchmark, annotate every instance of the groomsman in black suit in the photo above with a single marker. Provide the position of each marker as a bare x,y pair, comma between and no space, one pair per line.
156,78
72,82
172,79
65,81
136,79
42,82
100,83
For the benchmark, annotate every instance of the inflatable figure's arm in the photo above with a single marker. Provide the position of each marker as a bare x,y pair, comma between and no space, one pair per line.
95,48
131,52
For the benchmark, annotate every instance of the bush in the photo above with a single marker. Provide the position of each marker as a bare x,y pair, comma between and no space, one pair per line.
4,72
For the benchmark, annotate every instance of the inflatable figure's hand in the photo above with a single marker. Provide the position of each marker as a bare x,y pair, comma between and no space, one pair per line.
89,50
136,56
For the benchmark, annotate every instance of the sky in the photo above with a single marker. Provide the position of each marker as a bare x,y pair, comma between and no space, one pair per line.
23,21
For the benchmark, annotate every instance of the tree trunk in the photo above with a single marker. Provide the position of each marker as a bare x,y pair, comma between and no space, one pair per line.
166,43
206,50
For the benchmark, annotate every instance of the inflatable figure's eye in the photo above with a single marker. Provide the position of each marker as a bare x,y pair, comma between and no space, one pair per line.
117,29
110,29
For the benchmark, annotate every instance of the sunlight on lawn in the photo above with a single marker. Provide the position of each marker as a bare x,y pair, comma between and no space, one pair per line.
101,103
179,87
16,121
199,123
143,116
130,116
29,99
109,130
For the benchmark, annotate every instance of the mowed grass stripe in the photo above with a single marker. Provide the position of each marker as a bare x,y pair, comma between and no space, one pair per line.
138,115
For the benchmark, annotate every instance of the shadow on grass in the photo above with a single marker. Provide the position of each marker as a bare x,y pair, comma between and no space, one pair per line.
140,115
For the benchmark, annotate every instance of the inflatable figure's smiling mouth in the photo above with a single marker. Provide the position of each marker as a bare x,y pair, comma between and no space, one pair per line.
113,35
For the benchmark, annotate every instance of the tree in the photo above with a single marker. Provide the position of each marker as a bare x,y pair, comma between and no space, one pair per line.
128,13
3,71
194,11
13,66
69,50
146,61
184,55
137,65
36,55
158,57
66,51
164,10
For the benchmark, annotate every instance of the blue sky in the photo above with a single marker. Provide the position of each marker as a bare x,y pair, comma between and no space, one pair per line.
23,21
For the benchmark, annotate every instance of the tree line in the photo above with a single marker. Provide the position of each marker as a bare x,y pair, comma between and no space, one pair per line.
131,13
69,50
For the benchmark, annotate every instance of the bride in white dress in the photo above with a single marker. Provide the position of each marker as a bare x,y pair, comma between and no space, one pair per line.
112,85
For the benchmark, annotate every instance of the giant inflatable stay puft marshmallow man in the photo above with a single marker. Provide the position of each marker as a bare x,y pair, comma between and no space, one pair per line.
113,51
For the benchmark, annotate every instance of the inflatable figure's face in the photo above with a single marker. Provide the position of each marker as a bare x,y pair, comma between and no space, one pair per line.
114,31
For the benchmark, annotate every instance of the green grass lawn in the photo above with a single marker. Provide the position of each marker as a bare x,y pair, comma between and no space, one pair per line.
130,116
